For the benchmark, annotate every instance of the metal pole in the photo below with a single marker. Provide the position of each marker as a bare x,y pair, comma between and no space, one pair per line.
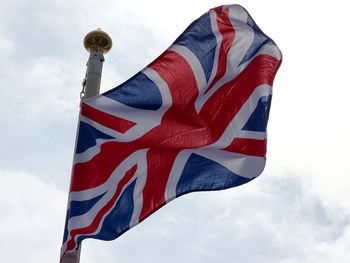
97,43
91,83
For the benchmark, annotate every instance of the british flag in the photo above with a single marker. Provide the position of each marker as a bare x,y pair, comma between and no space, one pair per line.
193,120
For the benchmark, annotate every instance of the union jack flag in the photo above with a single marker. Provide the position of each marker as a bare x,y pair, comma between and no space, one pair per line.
193,120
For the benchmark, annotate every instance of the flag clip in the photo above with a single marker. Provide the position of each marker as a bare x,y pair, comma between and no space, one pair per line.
82,92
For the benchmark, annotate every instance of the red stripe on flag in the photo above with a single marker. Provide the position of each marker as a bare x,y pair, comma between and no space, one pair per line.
159,164
228,35
218,9
96,171
177,73
248,147
180,127
105,119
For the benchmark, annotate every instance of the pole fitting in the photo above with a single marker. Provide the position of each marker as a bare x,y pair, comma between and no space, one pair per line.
98,40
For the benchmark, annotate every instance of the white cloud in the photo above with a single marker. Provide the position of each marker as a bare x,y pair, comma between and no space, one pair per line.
31,218
7,46
46,89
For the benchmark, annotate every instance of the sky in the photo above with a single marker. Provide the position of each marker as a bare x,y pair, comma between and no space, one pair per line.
298,210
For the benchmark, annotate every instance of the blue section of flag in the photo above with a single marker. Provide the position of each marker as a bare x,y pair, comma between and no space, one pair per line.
199,38
258,120
259,40
117,221
138,92
77,208
87,137
203,174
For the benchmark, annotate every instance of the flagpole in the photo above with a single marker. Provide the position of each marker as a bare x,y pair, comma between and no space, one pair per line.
97,43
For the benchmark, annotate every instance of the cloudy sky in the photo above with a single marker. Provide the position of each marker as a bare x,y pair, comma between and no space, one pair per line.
298,210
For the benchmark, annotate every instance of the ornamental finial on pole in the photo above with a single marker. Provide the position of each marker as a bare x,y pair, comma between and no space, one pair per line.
98,40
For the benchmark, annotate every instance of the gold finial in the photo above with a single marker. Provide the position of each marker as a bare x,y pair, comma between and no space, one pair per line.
98,40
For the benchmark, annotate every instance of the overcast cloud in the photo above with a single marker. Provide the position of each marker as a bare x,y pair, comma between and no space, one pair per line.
298,210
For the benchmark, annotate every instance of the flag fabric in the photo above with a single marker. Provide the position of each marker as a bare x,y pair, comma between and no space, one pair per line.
193,120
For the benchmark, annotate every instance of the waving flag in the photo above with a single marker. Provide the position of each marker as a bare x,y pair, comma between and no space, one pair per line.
193,120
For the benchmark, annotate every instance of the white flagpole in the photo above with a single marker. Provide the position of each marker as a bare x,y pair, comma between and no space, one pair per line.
97,43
